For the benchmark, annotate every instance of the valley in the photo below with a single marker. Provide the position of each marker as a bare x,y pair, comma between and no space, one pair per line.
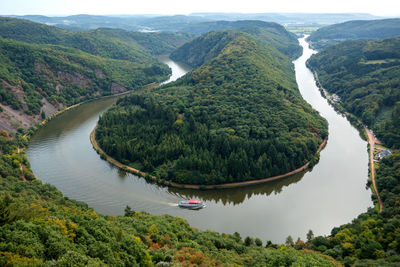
222,110
65,140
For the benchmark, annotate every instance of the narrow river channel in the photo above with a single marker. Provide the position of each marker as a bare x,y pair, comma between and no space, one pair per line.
333,193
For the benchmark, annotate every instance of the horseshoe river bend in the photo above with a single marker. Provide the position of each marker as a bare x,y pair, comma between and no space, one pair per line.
331,194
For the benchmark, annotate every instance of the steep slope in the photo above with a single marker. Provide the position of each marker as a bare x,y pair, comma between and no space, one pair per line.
91,42
353,30
155,43
366,76
237,117
39,79
270,32
203,48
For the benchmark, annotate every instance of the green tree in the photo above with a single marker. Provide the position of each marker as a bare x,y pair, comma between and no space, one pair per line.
289,241
310,235
128,211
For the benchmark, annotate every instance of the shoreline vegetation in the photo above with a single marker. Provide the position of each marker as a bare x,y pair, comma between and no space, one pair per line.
363,74
364,132
135,171
32,130
41,226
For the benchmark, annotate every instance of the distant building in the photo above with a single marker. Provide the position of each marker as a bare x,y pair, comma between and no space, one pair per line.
383,154
335,98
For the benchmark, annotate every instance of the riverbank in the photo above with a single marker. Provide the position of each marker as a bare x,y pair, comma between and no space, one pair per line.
62,155
147,176
364,132
372,141
42,123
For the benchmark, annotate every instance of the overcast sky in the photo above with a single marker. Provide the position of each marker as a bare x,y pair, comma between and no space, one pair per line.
72,7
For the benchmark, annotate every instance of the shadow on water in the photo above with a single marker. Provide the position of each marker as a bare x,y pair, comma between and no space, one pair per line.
237,196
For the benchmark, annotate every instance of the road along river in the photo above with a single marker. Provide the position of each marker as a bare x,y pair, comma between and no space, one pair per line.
333,193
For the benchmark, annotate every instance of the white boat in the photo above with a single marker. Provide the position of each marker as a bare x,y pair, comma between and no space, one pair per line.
191,204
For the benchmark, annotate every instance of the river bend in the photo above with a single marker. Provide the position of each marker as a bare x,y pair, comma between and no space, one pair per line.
333,193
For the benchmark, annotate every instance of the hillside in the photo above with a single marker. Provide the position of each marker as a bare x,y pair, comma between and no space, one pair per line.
270,32
155,43
41,79
113,43
366,76
273,33
237,117
354,30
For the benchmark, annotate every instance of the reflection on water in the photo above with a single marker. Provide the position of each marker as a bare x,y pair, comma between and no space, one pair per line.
331,194
237,196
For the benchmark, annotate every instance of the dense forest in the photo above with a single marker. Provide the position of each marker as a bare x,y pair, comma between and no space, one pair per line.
366,76
272,33
354,30
32,76
237,117
44,68
41,227
209,46
104,42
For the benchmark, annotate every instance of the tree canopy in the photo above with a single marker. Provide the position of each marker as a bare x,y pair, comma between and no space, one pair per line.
355,30
237,117
366,76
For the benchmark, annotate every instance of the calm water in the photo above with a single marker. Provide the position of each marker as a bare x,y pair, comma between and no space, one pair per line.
333,193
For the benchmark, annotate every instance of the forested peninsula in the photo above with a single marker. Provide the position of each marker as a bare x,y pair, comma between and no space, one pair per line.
237,117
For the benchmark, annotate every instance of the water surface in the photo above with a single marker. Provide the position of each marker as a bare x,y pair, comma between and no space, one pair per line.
333,193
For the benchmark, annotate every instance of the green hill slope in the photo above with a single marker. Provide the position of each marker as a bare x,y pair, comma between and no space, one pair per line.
113,43
237,117
155,43
366,75
353,30
45,78
270,32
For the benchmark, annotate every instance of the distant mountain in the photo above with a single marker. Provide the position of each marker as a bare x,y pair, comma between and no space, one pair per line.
352,30
270,32
289,18
113,43
131,23
178,22
155,43
366,76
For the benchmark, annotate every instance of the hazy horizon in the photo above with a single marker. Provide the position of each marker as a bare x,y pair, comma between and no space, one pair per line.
386,8
198,14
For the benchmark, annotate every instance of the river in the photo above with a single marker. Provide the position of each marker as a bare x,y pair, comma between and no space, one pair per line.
333,193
